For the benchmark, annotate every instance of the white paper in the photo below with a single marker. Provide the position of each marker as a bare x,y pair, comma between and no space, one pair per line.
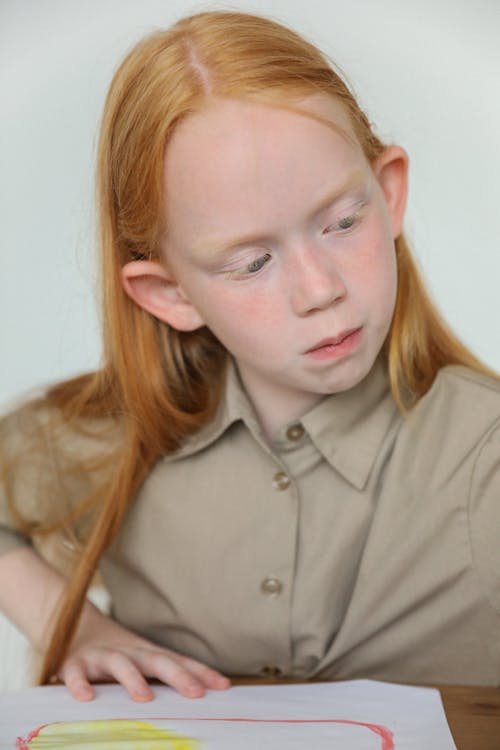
357,715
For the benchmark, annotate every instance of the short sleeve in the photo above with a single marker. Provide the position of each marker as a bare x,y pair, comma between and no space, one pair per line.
41,482
484,515
17,476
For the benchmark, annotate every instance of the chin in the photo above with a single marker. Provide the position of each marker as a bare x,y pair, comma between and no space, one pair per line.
353,375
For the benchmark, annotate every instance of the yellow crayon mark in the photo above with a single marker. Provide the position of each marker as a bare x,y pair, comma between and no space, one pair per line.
115,734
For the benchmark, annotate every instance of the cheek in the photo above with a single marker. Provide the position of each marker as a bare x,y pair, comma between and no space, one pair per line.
256,303
239,317
374,272
384,282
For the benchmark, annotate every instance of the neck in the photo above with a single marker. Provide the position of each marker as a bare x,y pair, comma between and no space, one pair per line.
275,404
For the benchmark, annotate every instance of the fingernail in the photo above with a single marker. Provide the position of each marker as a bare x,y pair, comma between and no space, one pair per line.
143,694
85,694
142,697
195,689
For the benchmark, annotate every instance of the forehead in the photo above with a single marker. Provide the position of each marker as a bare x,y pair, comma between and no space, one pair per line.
234,157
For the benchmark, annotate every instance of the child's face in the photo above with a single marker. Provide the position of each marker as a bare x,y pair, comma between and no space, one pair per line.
240,169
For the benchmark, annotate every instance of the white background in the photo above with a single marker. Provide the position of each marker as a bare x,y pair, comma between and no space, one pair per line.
427,74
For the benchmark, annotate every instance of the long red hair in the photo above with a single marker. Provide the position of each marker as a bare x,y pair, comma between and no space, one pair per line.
157,384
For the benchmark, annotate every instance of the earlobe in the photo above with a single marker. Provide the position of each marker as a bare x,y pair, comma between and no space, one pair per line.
391,170
153,288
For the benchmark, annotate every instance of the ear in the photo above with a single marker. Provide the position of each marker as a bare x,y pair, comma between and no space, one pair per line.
391,171
155,289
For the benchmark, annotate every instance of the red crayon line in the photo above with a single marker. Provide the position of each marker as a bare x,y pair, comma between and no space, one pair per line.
385,734
21,744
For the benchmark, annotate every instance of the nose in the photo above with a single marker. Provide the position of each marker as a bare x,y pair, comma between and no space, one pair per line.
315,281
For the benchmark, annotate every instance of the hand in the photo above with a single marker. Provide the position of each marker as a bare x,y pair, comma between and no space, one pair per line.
104,650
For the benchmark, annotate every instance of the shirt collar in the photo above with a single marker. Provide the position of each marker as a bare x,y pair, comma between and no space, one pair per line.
234,406
349,427
346,427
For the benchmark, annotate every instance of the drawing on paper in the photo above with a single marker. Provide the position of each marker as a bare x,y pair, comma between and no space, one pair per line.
116,734
160,734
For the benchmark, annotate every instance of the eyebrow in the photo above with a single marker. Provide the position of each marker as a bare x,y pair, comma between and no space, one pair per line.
225,246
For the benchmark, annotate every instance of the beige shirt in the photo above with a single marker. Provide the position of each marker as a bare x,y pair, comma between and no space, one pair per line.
360,544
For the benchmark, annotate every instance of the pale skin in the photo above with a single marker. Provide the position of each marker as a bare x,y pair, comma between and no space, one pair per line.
312,273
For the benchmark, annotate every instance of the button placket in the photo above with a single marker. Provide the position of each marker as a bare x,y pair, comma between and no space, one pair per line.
274,579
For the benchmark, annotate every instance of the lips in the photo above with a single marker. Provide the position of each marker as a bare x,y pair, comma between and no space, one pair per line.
333,341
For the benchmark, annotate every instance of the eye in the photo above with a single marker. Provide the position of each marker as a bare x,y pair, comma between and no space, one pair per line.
351,220
251,269
256,265
347,222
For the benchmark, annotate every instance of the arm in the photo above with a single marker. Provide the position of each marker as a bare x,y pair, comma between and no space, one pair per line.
102,649
484,516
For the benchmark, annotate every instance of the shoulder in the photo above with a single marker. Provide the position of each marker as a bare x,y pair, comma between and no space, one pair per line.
460,400
36,422
43,455
465,382
468,412
21,425
440,439
49,468
451,450
457,382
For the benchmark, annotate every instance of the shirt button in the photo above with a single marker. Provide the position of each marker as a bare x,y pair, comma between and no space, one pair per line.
295,432
269,671
271,586
281,481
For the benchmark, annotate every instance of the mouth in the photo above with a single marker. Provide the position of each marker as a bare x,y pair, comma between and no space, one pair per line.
334,340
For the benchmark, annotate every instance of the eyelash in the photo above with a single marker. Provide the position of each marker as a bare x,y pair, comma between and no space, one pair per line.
263,259
243,273
354,217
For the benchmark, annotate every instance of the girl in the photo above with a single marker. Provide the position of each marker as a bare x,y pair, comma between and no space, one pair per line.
287,463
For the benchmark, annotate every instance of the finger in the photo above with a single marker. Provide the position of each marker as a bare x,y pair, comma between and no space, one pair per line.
208,676
127,673
74,677
164,667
